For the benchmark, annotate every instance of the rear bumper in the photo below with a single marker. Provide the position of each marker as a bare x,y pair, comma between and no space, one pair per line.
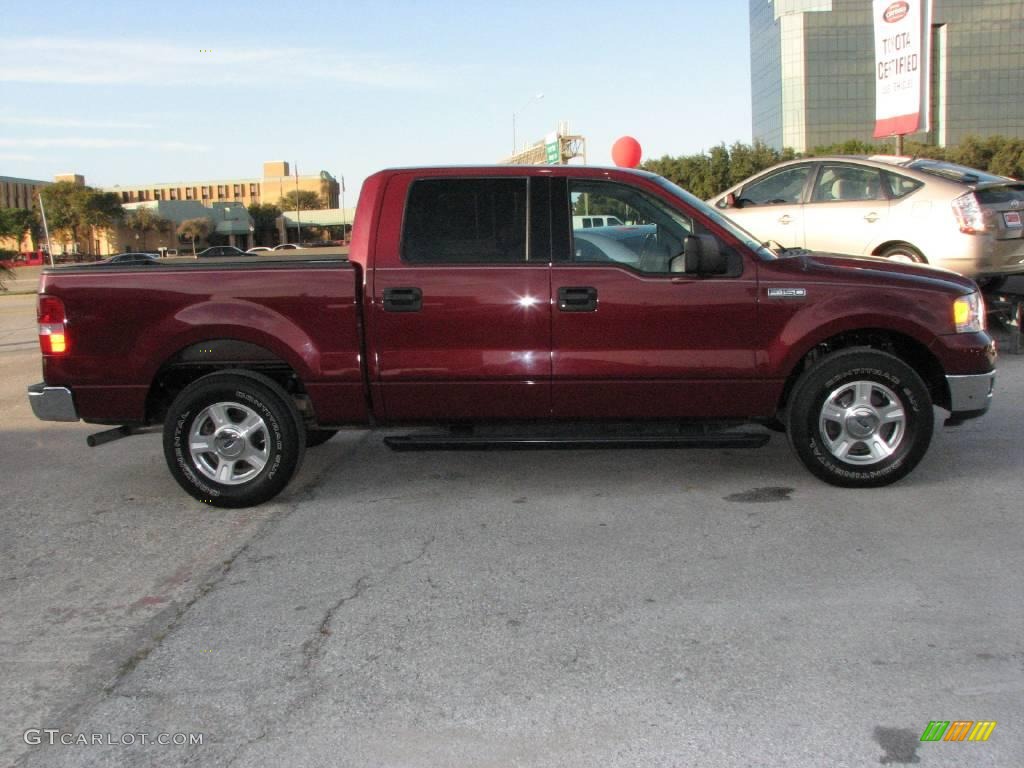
970,396
52,403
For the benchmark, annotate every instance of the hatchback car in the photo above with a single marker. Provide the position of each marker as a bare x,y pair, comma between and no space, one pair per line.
132,258
222,250
917,210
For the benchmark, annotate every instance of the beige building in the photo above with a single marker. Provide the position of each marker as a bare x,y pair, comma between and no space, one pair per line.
19,193
276,182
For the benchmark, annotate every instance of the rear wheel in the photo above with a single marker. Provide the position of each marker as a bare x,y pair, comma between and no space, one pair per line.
233,439
860,418
907,254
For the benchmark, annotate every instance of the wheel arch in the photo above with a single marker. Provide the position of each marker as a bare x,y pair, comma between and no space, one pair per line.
881,248
198,359
909,349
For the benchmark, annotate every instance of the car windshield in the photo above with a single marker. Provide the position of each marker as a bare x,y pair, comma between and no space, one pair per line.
959,173
724,222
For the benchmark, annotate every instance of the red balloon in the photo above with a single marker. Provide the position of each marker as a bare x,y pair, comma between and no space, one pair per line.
626,152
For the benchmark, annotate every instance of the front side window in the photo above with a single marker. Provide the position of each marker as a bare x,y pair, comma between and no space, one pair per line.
847,183
465,221
786,186
652,237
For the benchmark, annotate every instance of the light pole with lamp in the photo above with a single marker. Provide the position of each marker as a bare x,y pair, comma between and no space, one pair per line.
537,97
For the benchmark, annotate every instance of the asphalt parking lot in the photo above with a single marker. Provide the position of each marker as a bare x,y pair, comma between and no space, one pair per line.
588,608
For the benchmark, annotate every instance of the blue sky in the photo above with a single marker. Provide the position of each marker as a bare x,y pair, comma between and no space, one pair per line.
129,93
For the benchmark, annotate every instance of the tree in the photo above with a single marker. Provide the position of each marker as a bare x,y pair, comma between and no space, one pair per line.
16,223
10,226
71,208
145,220
301,200
264,220
194,229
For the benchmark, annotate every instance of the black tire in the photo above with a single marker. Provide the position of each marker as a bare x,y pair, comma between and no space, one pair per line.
860,418
255,414
904,252
315,437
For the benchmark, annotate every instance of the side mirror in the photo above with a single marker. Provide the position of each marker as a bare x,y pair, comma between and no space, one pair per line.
702,256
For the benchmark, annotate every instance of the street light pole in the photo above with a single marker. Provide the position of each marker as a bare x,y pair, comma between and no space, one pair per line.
537,97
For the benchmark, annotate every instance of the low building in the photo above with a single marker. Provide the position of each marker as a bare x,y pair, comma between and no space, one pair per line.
276,182
231,221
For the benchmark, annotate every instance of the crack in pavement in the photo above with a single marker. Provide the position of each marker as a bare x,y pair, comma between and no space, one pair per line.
312,649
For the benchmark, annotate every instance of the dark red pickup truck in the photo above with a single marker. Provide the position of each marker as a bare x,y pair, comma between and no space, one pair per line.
469,300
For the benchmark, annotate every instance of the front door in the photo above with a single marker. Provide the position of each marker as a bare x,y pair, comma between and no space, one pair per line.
634,337
771,206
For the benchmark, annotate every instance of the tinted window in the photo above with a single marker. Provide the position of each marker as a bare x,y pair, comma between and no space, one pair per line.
783,187
952,171
838,182
465,221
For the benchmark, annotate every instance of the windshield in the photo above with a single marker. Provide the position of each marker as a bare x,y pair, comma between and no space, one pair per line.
953,171
723,221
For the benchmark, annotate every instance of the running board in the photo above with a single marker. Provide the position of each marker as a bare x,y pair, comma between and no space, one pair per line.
443,442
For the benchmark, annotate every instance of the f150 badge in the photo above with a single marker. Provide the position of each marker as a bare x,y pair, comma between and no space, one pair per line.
787,293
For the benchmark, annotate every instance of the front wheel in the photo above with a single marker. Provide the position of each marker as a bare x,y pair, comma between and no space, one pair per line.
233,439
860,418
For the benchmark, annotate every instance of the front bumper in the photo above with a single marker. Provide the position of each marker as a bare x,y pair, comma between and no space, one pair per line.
970,396
52,403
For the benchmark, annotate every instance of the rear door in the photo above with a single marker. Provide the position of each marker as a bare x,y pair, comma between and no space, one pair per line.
460,319
630,337
848,210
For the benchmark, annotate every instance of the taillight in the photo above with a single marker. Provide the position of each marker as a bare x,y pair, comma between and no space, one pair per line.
53,334
968,214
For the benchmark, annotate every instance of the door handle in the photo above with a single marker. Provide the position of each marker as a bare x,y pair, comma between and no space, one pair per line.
785,219
871,218
577,299
403,300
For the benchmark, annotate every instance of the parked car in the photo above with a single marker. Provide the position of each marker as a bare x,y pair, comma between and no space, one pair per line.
922,211
464,301
132,258
221,250
258,249
285,247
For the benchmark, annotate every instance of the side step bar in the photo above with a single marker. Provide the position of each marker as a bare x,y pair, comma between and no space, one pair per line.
445,442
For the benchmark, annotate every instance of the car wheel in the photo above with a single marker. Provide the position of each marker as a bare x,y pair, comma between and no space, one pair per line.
315,437
860,418
233,439
907,254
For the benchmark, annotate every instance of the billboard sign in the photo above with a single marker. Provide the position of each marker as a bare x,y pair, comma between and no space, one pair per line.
902,66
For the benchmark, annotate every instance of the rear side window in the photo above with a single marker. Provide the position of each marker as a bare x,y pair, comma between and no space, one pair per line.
465,221
900,186
839,182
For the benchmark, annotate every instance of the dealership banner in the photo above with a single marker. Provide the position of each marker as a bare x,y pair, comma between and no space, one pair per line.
902,66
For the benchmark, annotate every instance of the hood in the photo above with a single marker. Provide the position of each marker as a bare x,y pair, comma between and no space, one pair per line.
875,269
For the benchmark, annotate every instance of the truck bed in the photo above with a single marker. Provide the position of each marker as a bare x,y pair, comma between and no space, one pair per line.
128,325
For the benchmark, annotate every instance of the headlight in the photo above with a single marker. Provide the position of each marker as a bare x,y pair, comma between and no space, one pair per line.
969,313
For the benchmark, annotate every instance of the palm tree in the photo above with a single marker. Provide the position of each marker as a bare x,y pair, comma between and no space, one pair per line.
142,221
194,229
